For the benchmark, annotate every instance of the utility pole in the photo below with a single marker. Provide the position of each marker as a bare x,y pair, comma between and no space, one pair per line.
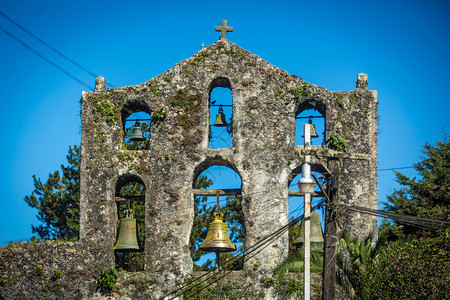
329,260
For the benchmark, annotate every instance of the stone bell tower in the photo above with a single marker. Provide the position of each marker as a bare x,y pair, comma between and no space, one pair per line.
266,100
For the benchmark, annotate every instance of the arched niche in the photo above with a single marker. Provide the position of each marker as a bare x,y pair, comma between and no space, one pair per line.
310,111
136,114
130,193
220,114
210,176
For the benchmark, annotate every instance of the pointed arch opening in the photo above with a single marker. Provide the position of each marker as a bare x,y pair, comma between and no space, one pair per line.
208,181
130,195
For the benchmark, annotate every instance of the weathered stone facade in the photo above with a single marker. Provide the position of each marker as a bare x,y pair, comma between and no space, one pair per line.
266,100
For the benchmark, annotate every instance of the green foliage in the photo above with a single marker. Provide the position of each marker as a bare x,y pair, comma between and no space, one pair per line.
302,91
58,201
56,274
198,289
427,197
294,262
341,102
278,92
39,271
181,99
420,269
107,280
198,60
352,259
220,45
105,109
160,114
286,286
337,142
154,89
294,234
352,99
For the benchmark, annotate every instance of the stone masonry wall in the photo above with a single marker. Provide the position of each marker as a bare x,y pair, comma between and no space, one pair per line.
266,100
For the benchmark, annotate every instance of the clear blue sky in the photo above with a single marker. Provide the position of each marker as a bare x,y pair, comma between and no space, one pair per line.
403,46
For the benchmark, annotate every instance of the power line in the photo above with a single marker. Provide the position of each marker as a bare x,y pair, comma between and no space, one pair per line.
247,254
50,47
392,169
426,223
45,58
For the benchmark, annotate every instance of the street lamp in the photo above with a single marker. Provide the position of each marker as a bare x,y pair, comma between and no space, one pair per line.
306,183
306,186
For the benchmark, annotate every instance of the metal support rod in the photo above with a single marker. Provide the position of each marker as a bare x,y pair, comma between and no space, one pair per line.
321,187
218,207
307,206
309,117
131,120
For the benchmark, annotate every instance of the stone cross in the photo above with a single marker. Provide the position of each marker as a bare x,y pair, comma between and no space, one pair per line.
224,29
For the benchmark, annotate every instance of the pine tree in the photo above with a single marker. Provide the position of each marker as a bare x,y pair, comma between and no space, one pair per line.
427,197
58,200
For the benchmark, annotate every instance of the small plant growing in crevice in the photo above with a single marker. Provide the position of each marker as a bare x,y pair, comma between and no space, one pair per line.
159,115
302,91
39,271
56,274
154,89
340,102
106,110
181,99
107,280
352,99
198,60
337,142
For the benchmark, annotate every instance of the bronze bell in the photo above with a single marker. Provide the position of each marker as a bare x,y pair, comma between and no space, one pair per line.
312,129
127,240
137,135
217,239
220,118
316,234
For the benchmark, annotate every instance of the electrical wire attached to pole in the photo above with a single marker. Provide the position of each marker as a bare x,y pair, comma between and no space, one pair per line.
245,254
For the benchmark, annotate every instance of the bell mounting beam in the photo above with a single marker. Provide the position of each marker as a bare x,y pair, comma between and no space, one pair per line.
236,192
224,192
130,198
